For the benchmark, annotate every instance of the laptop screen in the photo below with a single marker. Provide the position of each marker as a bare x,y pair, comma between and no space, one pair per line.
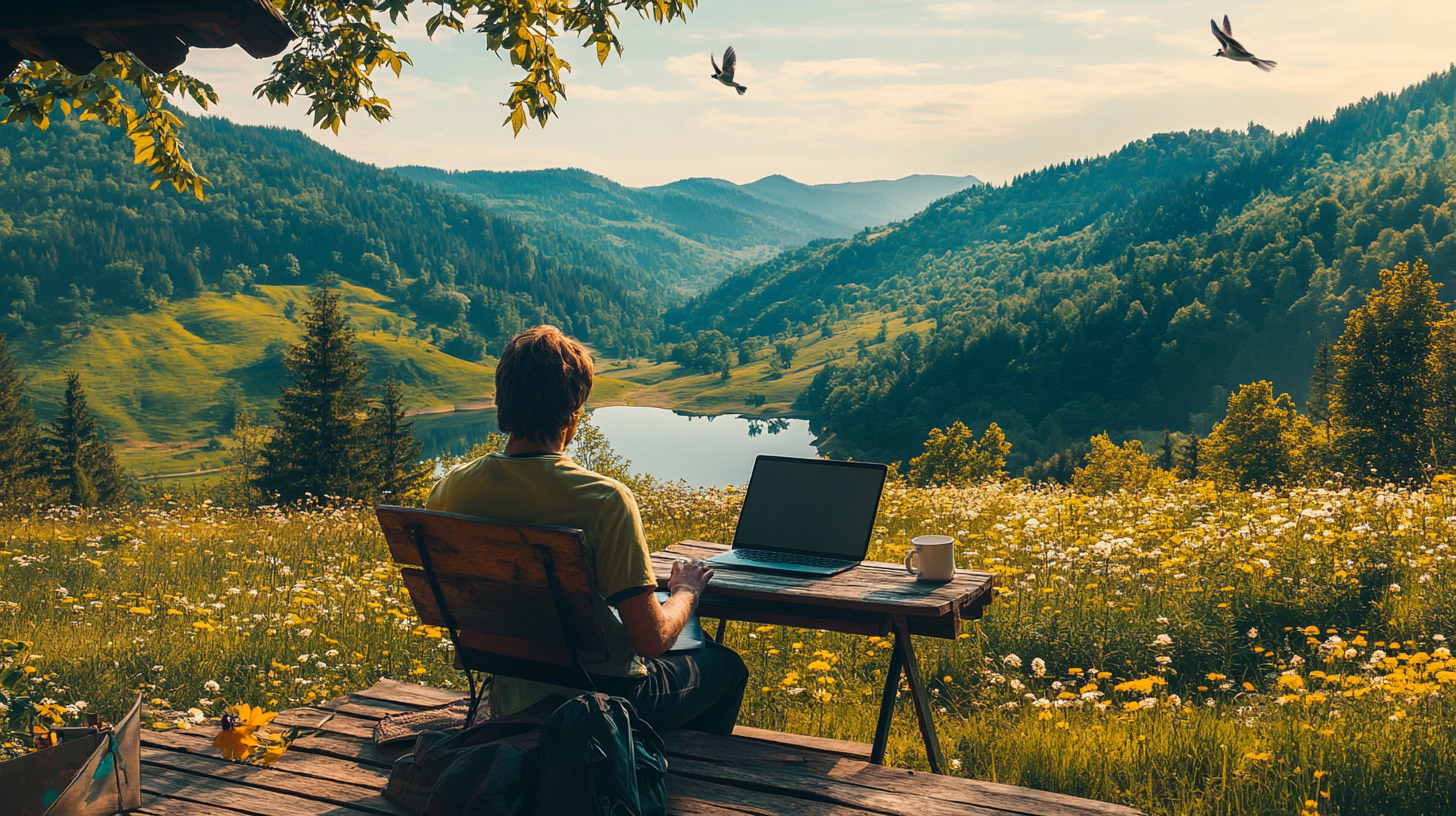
812,506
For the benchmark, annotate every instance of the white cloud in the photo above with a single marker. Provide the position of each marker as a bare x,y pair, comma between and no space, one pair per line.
866,67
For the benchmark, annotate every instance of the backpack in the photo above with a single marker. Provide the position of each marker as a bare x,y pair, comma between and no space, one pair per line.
598,758
484,770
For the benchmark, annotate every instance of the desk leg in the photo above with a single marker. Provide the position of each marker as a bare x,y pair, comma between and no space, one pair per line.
904,645
887,705
722,623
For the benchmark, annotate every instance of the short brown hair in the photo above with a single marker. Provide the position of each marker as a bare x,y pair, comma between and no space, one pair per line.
541,382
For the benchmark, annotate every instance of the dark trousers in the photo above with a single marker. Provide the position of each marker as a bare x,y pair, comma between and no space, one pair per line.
700,690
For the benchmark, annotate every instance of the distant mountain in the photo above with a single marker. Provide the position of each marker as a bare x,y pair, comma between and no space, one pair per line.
854,204
684,241
1124,292
689,233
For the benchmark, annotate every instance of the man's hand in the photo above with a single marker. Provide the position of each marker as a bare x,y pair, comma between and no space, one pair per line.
690,576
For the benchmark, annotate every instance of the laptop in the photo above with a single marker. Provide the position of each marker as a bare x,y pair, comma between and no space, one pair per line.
805,516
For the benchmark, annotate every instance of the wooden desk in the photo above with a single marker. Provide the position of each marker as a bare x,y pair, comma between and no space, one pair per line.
874,598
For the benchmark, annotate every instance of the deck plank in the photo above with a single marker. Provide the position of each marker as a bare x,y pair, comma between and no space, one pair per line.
153,805
294,762
358,797
858,750
790,767
338,722
365,708
697,797
340,746
204,790
417,696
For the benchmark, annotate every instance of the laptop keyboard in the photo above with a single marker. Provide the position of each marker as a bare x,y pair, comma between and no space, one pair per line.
776,557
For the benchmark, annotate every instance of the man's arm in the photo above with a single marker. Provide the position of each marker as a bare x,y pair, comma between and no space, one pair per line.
651,626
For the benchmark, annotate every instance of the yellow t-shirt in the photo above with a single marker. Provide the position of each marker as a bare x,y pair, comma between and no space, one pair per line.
553,489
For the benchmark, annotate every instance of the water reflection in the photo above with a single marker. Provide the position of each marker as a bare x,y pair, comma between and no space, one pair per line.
701,450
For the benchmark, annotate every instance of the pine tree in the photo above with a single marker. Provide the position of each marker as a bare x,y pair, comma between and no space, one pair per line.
318,443
397,471
22,462
1321,382
83,467
1441,414
1379,405
1166,457
1191,462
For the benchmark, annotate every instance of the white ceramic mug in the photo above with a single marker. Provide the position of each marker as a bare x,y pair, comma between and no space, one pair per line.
933,558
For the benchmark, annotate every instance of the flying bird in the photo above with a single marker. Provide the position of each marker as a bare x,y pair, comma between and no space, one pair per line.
1233,50
725,74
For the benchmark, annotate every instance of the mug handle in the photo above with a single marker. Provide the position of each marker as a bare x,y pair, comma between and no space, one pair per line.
911,556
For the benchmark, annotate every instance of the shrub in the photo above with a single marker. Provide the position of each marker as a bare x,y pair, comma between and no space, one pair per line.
1110,468
955,458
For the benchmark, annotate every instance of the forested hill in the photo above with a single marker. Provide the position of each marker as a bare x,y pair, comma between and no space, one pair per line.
82,234
688,241
1125,292
694,232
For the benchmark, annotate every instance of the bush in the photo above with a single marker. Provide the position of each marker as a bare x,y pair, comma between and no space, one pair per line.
955,458
1262,441
1110,468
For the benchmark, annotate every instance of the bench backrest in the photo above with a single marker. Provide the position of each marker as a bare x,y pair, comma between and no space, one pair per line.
520,600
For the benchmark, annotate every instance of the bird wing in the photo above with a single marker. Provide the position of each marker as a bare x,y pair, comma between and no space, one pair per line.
1232,46
716,69
730,61
1228,30
1222,40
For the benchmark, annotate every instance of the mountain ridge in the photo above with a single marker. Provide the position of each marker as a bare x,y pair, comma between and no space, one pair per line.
1126,291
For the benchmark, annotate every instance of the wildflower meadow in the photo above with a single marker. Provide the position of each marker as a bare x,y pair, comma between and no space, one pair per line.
1186,650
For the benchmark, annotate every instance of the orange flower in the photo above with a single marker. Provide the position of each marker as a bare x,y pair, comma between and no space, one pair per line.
236,740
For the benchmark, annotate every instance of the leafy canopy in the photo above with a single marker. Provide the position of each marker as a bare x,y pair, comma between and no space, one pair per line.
955,458
341,43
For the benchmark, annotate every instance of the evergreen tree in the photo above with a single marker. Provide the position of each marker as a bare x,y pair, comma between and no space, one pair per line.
318,442
1321,382
1442,410
22,463
397,470
1382,394
84,470
1166,456
1191,463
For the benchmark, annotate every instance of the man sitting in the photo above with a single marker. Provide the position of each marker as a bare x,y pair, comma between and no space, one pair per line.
541,384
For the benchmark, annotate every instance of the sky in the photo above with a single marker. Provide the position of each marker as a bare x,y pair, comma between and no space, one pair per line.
854,90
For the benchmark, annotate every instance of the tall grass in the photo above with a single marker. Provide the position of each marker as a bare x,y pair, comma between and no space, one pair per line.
1188,651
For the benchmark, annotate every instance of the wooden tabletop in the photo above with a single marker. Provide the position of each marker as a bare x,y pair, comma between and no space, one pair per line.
341,772
873,586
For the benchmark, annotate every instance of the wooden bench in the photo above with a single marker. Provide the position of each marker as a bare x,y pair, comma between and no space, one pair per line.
342,771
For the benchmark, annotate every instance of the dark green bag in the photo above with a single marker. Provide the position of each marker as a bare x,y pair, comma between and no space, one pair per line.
485,770
598,758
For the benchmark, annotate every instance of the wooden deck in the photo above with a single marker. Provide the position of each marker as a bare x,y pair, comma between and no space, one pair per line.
764,773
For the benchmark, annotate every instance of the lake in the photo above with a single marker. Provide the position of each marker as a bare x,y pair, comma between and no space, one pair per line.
704,451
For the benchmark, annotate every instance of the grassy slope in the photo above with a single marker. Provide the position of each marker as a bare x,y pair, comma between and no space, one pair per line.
166,376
